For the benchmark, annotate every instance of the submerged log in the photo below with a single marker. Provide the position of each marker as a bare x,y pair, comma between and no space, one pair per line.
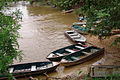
68,11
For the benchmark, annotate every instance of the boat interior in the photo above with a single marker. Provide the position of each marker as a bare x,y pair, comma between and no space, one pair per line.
68,50
80,54
30,67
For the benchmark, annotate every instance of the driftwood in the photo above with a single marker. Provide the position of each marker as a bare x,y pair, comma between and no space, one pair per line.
68,11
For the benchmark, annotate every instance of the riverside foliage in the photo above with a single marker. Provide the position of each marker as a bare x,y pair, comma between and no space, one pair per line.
102,15
9,48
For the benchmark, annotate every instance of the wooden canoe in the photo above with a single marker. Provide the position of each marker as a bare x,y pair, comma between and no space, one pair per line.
28,69
57,55
80,27
81,56
82,19
75,36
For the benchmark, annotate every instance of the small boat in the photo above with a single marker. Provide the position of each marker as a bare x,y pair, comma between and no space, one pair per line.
57,55
79,23
81,56
82,19
28,69
75,36
80,27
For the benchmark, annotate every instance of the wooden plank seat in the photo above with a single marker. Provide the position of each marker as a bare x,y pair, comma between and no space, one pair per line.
87,53
69,50
75,58
66,53
76,50
42,67
33,67
94,50
59,54
45,66
22,70
11,70
74,34
79,47
75,37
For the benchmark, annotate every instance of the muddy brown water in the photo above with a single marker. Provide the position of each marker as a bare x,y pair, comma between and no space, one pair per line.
42,31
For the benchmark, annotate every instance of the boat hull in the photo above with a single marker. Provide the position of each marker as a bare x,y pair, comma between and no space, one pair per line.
62,50
66,64
74,40
57,59
29,73
77,27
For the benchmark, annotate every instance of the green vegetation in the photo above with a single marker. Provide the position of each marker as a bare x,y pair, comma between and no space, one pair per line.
102,15
39,2
9,48
65,4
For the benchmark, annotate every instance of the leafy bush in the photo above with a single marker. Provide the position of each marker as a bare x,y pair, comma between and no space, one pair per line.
9,47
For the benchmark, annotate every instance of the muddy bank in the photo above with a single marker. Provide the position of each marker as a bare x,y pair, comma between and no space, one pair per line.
112,52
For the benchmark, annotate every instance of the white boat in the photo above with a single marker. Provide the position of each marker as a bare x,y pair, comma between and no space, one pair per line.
75,36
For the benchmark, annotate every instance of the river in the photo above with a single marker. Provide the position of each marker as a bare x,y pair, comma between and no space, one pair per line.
42,31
